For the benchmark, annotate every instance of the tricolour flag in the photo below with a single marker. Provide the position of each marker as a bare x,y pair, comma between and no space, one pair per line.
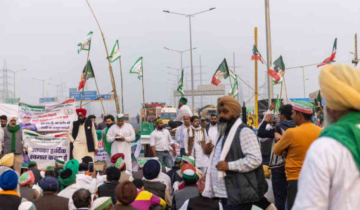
181,84
330,59
279,70
137,68
87,73
256,55
86,43
115,53
221,72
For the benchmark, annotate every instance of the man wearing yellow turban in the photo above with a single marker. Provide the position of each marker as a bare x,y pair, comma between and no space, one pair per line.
330,177
235,161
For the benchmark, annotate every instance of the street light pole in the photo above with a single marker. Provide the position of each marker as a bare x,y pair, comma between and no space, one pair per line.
268,49
15,72
43,81
191,59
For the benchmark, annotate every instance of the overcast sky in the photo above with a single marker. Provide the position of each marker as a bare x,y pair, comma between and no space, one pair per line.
42,36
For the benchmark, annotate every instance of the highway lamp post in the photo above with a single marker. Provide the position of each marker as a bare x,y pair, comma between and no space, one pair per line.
191,48
15,72
43,81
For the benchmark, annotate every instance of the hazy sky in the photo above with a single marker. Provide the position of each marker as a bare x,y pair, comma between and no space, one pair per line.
42,36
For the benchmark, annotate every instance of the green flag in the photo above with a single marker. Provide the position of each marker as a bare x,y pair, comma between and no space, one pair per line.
277,104
87,73
115,53
235,88
318,99
221,72
181,84
86,43
137,68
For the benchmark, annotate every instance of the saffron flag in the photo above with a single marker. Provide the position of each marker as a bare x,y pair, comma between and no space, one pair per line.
221,72
87,73
86,43
181,84
137,68
115,53
330,59
279,70
256,55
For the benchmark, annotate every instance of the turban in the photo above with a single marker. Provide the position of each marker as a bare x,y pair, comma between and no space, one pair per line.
50,168
49,183
116,156
60,161
186,167
230,104
340,87
68,175
32,163
189,174
27,205
158,120
26,178
183,100
120,163
189,159
7,160
126,192
178,160
8,180
81,110
303,107
101,203
152,169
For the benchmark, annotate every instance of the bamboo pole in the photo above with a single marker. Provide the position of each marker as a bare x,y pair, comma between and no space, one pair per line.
287,98
87,62
122,87
256,85
110,67
143,88
97,88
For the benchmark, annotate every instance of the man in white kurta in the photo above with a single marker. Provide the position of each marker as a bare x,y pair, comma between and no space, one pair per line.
330,176
121,135
80,141
212,129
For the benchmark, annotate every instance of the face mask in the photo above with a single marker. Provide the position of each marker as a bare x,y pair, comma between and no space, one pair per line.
213,123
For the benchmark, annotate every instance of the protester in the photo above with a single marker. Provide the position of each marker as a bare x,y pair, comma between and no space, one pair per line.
174,173
121,135
156,181
144,199
33,167
139,173
103,124
160,140
126,193
295,142
93,119
50,200
124,174
26,182
182,132
110,120
330,176
197,140
212,129
9,198
26,122
27,205
50,171
13,142
190,190
3,121
112,180
103,203
83,137
276,164
239,157
202,203
183,111
86,181
59,165
82,199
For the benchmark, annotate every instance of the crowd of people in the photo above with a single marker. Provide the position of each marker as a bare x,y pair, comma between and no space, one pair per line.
220,165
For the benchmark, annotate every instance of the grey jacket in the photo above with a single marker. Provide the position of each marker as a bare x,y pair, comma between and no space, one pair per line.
182,195
7,141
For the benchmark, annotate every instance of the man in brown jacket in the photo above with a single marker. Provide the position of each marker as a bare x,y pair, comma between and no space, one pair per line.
50,200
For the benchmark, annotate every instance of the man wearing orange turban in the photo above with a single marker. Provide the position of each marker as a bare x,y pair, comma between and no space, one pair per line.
82,135
330,176
237,156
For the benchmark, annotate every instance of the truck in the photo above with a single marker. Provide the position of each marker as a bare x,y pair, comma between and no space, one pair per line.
151,112
168,113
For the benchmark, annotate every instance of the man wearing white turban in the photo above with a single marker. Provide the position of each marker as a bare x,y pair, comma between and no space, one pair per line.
330,177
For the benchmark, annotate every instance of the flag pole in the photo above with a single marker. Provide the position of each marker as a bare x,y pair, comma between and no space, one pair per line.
97,88
110,67
287,98
256,85
143,89
122,87
83,89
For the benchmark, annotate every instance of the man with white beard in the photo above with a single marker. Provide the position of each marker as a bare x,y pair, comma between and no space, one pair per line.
330,177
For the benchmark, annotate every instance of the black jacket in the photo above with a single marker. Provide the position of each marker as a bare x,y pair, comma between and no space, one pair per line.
108,190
